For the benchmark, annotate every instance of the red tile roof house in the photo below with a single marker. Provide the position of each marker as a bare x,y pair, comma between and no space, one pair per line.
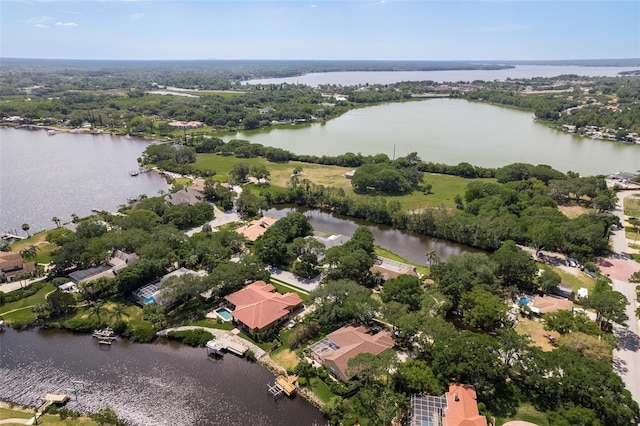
258,307
11,264
457,407
335,351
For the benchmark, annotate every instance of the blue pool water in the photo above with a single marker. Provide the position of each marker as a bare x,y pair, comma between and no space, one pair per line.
524,300
224,313
147,300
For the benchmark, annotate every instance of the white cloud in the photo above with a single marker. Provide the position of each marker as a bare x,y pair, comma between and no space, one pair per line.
38,20
66,24
137,16
41,26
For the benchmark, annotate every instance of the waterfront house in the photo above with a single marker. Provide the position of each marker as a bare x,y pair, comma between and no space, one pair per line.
256,228
392,269
109,269
257,307
335,351
184,197
12,264
457,407
155,290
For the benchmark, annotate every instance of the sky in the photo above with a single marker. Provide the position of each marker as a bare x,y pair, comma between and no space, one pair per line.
320,29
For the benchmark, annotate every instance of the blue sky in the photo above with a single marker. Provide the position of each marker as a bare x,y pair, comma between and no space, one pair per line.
319,29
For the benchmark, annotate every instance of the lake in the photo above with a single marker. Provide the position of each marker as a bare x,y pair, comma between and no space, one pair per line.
451,131
352,78
43,176
152,384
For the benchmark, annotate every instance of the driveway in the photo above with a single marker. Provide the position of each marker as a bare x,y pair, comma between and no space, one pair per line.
295,281
220,218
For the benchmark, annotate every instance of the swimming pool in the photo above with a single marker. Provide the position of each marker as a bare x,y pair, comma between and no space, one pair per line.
523,300
224,313
148,300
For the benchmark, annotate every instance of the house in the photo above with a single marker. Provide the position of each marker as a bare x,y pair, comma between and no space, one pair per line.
335,351
256,228
392,269
109,269
457,407
184,197
12,264
258,307
185,125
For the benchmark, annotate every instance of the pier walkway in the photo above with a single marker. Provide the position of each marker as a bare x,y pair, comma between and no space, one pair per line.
225,336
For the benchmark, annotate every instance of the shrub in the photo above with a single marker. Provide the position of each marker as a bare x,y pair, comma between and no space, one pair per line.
82,325
195,338
251,356
140,334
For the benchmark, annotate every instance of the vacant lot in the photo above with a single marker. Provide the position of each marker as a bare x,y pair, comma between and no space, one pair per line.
632,205
536,331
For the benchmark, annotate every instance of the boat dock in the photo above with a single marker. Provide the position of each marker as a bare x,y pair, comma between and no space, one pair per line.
52,398
225,343
283,385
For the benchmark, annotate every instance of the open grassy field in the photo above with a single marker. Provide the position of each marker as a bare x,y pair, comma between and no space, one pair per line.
443,191
577,280
381,251
321,390
573,211
632,206
46,419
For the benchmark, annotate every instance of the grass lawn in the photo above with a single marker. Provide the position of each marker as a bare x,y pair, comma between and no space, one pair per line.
47,419
527,413
321,390
283,288
573,211
631,234
43,247
575,281
34,299
381,251
632,206
283,354
212,323
536,331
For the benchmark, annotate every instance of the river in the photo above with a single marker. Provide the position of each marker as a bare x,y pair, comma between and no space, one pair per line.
43,176
451,131
152,384
410,245
352,78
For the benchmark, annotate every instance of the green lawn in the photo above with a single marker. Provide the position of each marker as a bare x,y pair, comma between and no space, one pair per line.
212,323
43,247
575,281
527,413
35,299
321,390
283,288
46,419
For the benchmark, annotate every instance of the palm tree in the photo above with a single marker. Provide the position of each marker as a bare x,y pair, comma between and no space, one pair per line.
74,217
119,312
30,253
56,221
432,257
25,228
96,309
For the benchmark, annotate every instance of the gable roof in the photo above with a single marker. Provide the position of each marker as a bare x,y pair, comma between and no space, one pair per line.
352,341
462,407
184,197
258,306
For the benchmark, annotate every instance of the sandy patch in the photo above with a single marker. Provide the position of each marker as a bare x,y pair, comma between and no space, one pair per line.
538,334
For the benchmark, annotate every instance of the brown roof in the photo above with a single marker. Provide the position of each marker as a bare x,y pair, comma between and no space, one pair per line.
388,274
184,197
256,228
353,341
258,305
10,260
462,407
550,303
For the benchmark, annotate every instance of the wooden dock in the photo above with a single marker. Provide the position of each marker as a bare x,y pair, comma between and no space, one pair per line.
283,386
52,398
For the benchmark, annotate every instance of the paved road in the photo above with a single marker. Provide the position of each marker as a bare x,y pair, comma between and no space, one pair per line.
626,360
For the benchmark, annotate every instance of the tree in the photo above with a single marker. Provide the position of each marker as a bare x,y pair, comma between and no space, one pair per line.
415,376
515,266
119,312
30,253
548,281
206,228
484,310
342,301
97,308
260,172
155,314
56,221
432,257
250,205
106,416
25,227
405,289
609,306
239,172
60,303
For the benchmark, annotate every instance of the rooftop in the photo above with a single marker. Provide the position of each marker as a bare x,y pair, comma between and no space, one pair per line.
256,228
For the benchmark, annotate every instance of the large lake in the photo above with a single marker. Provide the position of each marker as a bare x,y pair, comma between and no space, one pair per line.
351,78
452,131
154,384
43,176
